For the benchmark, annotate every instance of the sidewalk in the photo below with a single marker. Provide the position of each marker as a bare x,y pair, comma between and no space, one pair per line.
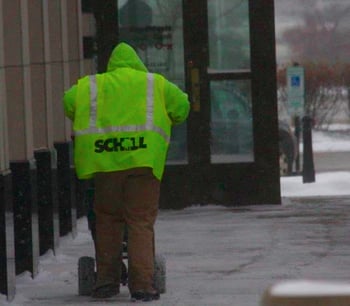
218,256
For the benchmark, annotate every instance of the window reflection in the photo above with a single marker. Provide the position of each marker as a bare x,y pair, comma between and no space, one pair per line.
231,122
155,29
229,37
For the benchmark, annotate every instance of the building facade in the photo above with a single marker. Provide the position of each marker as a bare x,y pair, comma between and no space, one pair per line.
41,55
222,53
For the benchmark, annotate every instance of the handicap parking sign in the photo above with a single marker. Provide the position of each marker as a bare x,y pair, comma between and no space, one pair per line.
295,80
295,89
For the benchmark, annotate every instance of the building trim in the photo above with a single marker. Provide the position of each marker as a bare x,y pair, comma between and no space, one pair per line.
48,75
4,146
80,37
27,95
65,58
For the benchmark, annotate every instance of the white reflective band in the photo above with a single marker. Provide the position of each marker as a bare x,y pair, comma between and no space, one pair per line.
149,126
150,100
93,101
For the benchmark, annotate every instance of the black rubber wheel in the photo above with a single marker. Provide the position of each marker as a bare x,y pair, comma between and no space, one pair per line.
159,279
124,275
286,148
86,275
285,166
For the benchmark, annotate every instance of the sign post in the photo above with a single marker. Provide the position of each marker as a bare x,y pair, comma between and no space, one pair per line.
295,101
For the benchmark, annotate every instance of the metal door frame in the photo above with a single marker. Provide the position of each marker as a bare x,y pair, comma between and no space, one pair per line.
200,181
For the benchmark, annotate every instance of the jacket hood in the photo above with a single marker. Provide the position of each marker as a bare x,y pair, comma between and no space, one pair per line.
124,56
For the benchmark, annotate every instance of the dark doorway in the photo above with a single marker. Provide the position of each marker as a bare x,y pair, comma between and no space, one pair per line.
223,54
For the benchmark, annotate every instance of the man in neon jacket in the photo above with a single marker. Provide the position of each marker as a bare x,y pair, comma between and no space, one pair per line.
122,123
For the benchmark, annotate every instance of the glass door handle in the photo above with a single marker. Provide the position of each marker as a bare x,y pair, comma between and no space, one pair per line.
195,89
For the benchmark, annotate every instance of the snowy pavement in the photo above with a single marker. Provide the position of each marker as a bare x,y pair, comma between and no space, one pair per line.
215,255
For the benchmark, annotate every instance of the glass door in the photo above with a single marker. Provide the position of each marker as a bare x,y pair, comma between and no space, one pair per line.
230,68
221,52
231,122
155,29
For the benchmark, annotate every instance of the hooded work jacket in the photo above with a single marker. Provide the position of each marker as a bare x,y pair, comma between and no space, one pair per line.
122,118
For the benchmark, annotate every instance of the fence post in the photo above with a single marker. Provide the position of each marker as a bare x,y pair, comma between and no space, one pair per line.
308,161
297,130
7,242
47,201
66,189
25,209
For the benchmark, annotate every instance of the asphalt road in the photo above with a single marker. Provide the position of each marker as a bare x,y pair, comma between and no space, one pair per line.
331,161
327,161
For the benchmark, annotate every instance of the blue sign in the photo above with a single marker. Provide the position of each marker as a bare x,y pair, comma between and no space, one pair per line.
295,81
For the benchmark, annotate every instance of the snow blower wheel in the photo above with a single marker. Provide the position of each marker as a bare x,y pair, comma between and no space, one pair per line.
159,278
86,275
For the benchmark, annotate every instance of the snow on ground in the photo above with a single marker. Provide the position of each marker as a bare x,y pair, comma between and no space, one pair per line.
327,184
332,141
335,139
310,288
218,256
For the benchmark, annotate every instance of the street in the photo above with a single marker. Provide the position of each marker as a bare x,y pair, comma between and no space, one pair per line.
331,161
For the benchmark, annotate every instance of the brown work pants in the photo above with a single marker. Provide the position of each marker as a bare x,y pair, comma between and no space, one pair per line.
129,197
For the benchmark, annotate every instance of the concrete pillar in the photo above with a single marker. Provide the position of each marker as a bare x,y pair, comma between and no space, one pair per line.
20,132
59,50
89,33
45,152
7,247
79,17
87,66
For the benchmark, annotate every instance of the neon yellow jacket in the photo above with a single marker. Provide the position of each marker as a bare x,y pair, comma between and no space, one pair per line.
122,118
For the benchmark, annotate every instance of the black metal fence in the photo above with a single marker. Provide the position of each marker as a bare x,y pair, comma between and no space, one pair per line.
40,201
